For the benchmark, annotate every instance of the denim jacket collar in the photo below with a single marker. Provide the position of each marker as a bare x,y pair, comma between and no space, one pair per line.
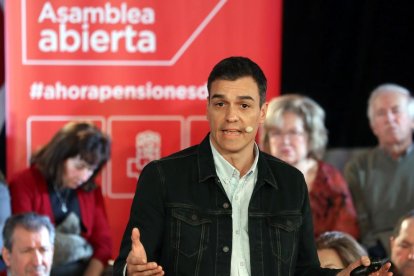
208,170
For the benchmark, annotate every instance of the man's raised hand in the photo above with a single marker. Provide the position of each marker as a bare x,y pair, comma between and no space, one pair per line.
137,259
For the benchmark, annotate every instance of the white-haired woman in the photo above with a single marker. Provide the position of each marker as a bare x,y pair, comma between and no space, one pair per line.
294,131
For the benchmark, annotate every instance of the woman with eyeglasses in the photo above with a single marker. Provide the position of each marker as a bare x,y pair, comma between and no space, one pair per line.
294,131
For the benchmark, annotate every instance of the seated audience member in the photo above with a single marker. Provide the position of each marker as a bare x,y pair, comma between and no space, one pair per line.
381,180
28,244
338,250
294,131
5,211
402,246
60,184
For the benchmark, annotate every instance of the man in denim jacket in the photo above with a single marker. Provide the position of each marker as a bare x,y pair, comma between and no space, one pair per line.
223,207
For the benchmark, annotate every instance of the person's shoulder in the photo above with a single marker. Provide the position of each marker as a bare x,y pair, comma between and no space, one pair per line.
274,161
175,159
362,157
277,164
27,176
185,153
29,172
328,169
174,162
4,191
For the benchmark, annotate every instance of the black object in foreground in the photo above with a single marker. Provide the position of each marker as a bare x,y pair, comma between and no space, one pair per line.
366,270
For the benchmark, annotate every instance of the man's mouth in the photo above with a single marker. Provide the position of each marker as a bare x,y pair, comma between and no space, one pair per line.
231,131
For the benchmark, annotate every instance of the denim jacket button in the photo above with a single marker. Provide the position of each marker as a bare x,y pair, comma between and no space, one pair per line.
226,249
226,205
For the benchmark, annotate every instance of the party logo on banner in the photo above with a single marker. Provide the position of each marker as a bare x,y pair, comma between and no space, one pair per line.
136,33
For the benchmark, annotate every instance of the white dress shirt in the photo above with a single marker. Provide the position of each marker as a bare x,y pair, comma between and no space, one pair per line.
239,191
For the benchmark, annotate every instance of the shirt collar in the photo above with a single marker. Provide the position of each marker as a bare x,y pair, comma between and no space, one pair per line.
407,152
225,169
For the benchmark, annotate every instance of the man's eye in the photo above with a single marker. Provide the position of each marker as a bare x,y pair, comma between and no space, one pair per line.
244,106
219,104
404,245
396,110
44,249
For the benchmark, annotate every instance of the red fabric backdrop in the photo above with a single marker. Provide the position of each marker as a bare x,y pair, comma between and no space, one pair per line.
138,69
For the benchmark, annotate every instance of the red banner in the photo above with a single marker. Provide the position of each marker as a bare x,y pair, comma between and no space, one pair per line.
138,69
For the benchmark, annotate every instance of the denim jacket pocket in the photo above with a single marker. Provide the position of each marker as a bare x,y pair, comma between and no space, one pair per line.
190,231
284,235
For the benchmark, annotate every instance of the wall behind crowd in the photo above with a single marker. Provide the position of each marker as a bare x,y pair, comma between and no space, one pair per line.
337,51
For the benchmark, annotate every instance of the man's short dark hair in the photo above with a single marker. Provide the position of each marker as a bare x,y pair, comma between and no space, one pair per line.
29,221
233,68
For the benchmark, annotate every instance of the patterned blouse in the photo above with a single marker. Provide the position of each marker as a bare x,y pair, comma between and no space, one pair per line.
331,203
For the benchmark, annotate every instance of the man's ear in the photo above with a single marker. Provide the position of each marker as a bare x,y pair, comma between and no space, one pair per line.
263,111
5,253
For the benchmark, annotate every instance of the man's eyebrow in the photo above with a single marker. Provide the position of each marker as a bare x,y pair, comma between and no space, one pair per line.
219,96
246,98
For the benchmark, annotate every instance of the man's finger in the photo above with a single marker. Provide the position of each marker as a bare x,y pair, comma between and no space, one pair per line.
135,237
137,247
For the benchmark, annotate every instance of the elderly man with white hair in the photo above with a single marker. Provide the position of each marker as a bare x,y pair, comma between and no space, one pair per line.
381,180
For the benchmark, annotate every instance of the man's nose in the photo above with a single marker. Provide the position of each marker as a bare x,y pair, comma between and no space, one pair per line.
390,116
232,114
37,257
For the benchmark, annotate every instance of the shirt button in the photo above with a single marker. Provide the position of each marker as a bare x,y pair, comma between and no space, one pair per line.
194,217
226,249
237,232
226,205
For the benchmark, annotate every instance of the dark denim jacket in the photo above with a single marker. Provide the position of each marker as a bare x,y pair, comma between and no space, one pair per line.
184,217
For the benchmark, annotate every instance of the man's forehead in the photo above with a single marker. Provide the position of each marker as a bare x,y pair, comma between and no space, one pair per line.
407,229
242,88
389,95
23,235
408,224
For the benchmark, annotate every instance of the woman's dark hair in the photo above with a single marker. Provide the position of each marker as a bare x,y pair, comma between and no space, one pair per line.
81,139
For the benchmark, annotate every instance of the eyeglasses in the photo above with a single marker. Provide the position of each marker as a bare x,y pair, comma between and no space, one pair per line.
291,134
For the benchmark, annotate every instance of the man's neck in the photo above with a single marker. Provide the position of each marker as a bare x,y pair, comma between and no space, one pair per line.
398,149
242,160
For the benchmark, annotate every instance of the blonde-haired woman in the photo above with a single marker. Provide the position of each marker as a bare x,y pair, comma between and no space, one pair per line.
338,250
294,131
